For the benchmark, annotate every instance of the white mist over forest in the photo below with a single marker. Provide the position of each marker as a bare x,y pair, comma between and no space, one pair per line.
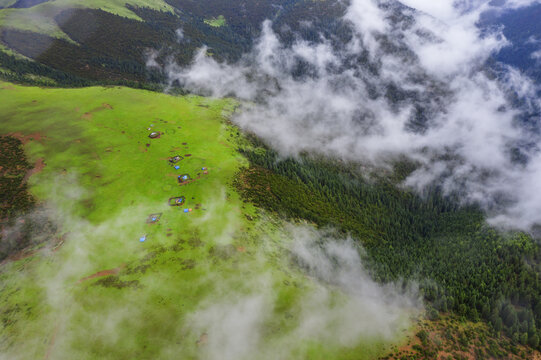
450,112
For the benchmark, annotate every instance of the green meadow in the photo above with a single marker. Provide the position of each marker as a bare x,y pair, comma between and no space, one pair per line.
97,291
216,22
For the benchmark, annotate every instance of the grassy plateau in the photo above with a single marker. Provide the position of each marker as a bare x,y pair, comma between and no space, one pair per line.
96,291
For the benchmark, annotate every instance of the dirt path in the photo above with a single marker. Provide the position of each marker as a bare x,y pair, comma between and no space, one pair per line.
28,252
51,342
25,139
38,167
88,115
20,255
103,273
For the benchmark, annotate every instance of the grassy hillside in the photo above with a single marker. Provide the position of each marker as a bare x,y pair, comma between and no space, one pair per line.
452,338
93,290
216,22
40,18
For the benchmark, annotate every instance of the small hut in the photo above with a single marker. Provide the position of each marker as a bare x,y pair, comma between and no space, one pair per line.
184,178
154,218
177,201
175,159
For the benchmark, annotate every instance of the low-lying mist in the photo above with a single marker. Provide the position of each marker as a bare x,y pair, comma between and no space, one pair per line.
241,306
410,80
341,306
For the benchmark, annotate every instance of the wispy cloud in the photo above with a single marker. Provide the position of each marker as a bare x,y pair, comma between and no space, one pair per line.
180,34
411,80
341,305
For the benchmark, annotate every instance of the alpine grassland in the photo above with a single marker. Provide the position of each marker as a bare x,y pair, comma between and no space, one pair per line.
126,275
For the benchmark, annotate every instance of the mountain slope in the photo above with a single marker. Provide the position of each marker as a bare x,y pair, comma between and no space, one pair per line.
126,274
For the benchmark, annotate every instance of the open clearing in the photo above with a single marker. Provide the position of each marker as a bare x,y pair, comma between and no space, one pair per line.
216,22
122,287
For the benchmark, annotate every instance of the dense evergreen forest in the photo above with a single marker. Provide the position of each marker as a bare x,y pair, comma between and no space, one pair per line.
111,49
114,50
462,264
22,221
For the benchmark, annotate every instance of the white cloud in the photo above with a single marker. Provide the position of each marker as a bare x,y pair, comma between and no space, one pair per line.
180,34
339,305
232,329
435,57
533,40
439,9
515,4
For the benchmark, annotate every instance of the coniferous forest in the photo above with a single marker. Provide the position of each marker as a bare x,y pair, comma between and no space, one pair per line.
462,264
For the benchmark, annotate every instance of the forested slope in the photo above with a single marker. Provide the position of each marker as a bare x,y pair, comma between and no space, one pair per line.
462,264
